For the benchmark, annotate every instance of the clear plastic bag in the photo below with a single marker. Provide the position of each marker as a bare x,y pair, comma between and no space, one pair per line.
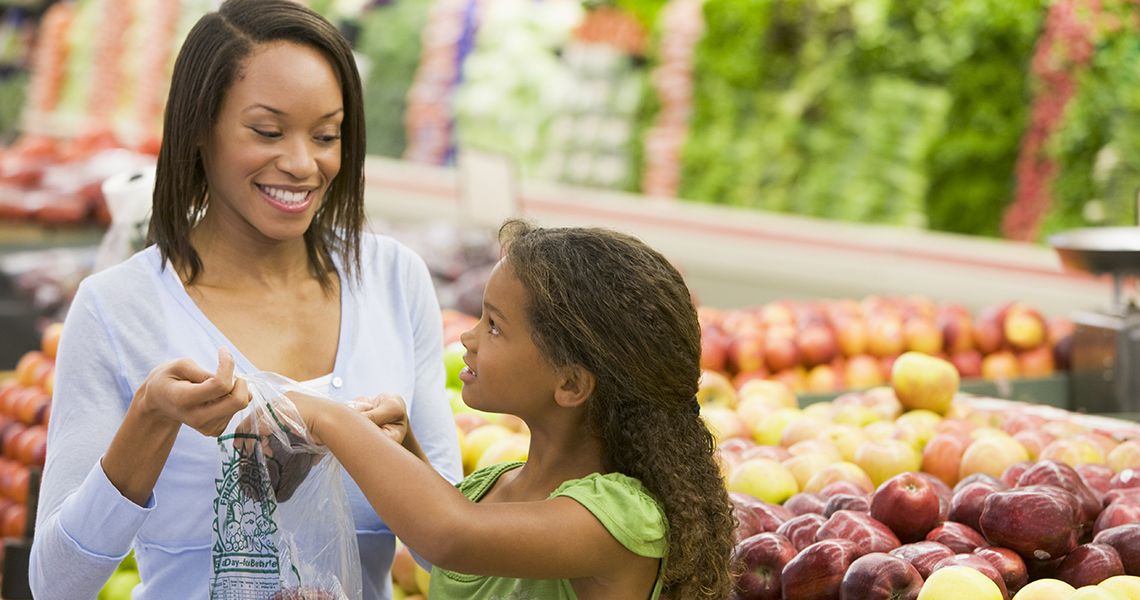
283,528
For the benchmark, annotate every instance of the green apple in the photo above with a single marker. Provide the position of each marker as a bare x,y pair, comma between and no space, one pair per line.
119,586
453,363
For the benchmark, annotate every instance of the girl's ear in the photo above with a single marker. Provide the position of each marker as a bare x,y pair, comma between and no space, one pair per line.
576,387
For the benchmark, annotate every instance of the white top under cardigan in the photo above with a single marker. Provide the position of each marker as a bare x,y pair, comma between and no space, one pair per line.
130,318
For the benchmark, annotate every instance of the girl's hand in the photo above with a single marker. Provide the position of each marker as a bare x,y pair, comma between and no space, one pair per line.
388,411
180,391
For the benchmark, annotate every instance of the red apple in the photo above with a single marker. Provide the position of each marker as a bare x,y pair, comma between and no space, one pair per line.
1036,362
857,502
880,576
1089,564
802,529
1041,522
956,536
942,456
978,564
1128,478
957,328
967,503
756,516
1050,472
745,351
714,350
989,332
816,573
908,504
1116,514
1000,366
781,352
806,503
1126,540
867,533
1008,563
843,486
1011,474
1098,478
968,362
760,559
923,555
817,344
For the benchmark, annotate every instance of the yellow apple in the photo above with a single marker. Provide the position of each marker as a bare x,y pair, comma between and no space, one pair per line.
1125,456
1093,592
776,394
845,437
805,466
763,478
883,459
1125,586
514,447
992,455
802,427
1045,589
924,381
478,440
715,388
840,471
815,446
1072,452
770,431
723,422
958,583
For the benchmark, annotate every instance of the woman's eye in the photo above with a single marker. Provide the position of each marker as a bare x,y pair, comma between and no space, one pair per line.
328,139
265,133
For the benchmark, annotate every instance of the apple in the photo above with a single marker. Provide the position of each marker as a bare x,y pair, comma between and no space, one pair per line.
1045,589
756,516
842,487
774,393
776,453
992,455
885,336
1000,366
1126,495
1126,540
816,573
1090,564
1126,455
922,335
1011,474
478,440
1034,441
805,466
856,502
851,335
840,471
801,427
968,362
1115,514
908,504
802,529
723,422
968,501
957,536
1097,477
880,576
453,354
1042,522
957,327
714,388
944,494
804,503
1048,472
883,459
923,556
859,527
49,341
761,559
989,329
822,379
1125,586
977,563
1127,478
815,446
763,478
924,381
1037,362
513,448
847,438
1023,326
817,344
745,351
714,349
957,582
1008,563
1072,451
781,352
942,457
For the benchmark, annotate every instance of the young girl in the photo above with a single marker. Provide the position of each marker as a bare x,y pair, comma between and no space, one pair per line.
591,338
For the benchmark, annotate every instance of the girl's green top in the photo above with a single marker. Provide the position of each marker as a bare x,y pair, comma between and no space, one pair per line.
619,502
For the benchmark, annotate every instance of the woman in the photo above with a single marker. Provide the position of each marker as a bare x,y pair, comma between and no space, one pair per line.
258,249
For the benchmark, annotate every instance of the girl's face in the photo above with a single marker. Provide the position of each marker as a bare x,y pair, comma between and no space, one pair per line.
275,147
505,371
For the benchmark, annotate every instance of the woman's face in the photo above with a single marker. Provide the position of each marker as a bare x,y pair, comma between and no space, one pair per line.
275,147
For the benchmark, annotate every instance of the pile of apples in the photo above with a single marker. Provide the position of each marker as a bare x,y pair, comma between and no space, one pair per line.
25,407
910,490
835,345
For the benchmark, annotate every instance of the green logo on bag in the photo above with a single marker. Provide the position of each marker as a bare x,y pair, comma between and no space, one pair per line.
243,511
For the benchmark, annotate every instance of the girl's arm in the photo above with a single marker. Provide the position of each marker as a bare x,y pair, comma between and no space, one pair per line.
556,538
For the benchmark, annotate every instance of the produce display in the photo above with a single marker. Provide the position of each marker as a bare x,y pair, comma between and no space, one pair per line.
828,346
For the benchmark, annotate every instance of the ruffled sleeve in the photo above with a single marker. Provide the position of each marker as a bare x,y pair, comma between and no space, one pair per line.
475,485
624,508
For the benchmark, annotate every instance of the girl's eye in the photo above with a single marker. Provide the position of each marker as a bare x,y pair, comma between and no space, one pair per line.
492,328
265,133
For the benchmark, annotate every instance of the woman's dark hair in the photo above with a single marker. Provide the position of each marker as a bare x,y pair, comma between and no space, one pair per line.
607,302
209,62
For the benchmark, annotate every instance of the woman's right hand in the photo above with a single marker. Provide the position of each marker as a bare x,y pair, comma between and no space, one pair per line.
183,392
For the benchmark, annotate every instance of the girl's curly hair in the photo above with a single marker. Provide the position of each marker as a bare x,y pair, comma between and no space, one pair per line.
613,305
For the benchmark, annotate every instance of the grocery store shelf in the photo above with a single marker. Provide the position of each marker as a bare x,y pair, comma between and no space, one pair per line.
736,257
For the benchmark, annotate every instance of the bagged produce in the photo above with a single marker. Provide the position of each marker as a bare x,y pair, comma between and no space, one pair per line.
282,523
